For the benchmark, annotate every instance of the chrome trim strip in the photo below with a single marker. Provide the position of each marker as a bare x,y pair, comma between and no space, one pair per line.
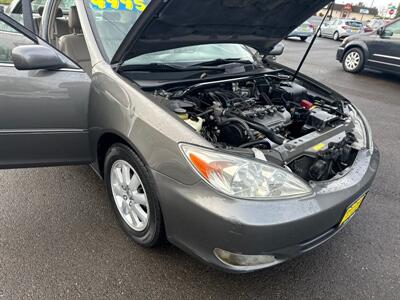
6,65
41,131
61,69
70,70
387,56
384,63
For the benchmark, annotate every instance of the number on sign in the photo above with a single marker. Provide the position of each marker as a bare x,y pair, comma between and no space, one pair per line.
128,4
114,3
101,4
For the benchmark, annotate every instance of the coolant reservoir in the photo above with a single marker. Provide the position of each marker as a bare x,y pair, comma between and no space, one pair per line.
197,125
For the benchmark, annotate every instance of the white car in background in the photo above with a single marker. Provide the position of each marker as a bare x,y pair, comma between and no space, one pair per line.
340,28
304,31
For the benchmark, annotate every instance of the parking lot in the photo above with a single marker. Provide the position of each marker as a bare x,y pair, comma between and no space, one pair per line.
59,236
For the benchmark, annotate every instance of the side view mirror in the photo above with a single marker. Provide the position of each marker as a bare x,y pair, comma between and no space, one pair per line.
277,50
35,57
387,33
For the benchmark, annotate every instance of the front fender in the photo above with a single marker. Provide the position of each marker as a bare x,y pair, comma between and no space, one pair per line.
357,44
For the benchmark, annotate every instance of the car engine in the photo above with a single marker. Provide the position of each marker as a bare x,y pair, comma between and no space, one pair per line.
272,118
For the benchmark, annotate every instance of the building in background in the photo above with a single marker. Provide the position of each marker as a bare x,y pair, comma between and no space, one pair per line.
348,11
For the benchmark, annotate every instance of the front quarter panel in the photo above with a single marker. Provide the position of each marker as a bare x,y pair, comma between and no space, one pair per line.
119,106
359,44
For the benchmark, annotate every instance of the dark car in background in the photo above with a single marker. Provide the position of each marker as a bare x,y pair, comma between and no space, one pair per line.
379,50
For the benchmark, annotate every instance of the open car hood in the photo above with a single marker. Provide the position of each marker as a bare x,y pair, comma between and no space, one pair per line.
169,24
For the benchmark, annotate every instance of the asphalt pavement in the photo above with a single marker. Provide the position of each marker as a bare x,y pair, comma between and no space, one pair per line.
59,236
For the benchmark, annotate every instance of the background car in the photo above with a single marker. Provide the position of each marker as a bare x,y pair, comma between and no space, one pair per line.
375,24
340,28
315,21
379,49
366,26
304,31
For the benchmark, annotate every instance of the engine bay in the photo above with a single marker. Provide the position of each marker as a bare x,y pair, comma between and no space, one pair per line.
272,118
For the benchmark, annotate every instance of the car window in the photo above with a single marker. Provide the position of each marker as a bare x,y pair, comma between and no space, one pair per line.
354,24
9,39
16,13
36,4
394,29
112,20
65,5
17,17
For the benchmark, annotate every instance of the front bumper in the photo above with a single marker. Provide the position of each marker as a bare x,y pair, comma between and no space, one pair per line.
300,34
198,219
340,54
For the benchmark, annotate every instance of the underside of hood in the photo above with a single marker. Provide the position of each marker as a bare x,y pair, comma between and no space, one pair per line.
169,24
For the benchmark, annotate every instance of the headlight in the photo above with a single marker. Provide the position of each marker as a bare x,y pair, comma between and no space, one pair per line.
361,131
244,178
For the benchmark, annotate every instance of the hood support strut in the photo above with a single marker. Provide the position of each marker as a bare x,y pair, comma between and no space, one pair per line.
330,9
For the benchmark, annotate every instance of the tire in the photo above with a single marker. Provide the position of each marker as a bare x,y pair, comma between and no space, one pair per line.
336,36
353,60
139,199
303,38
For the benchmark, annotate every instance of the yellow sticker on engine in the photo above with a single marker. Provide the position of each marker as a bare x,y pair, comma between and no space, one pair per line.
319,147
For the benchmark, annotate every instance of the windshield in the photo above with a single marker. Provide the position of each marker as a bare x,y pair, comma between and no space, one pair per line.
354,24
112,20
194,54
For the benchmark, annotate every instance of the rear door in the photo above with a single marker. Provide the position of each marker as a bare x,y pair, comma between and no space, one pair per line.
43,113
385,49
325,28
331,28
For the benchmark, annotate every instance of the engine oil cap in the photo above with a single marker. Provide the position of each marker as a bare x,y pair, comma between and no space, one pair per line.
182,113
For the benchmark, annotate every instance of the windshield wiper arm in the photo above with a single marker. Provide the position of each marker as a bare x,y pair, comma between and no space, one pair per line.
153,67
223,61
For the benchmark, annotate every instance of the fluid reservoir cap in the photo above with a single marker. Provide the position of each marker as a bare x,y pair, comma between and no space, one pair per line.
306,104
180,111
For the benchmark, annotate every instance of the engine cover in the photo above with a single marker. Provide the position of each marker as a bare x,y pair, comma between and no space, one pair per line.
271,116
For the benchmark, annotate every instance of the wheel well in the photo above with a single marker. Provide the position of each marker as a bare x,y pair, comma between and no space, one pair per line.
104,143
354,47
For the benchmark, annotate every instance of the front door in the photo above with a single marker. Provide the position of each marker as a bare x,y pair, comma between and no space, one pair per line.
43,113
385,49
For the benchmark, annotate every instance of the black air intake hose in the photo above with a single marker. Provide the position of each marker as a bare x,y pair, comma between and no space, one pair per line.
277,139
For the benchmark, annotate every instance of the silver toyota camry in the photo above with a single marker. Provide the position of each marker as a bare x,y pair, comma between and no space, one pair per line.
200,137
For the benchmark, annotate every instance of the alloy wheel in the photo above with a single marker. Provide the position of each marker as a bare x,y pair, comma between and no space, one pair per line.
352,60
336,36
129,195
